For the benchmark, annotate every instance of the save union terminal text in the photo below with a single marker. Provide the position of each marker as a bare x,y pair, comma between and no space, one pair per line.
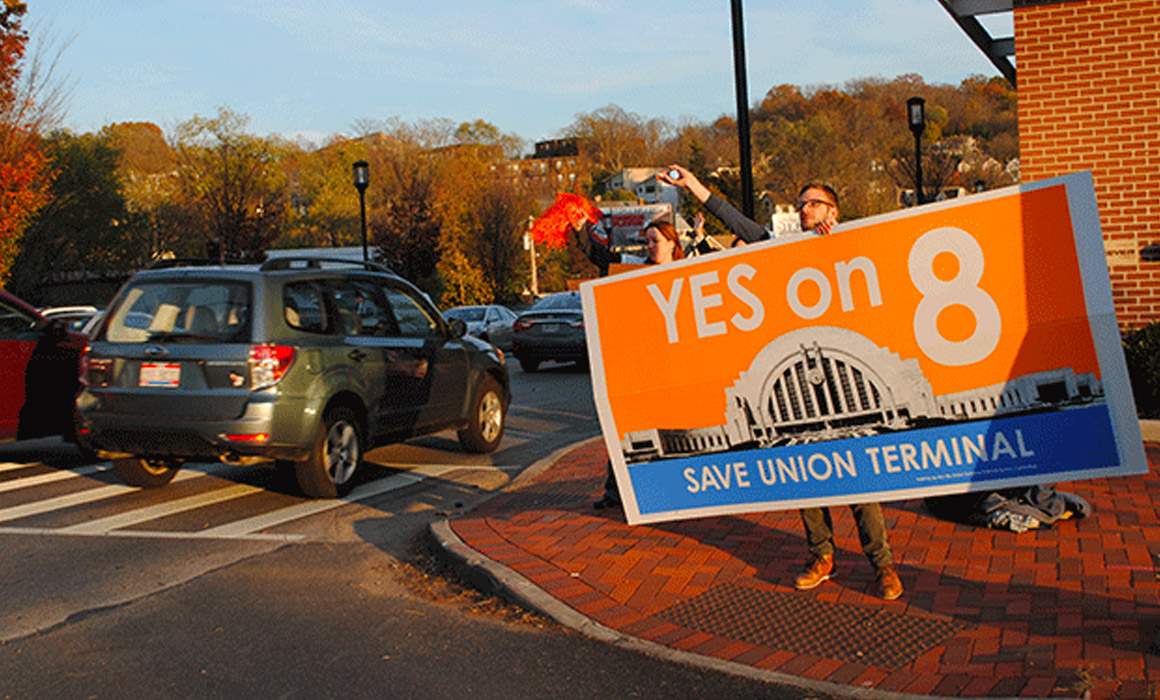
901,457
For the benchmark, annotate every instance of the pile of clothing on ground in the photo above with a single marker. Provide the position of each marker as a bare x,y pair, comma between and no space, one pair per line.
1016,509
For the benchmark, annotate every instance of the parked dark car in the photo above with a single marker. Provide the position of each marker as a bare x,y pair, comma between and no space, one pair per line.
492,323
551,329
304,362
39,364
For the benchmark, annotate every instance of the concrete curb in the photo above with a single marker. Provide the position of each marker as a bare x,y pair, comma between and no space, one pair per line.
1150,430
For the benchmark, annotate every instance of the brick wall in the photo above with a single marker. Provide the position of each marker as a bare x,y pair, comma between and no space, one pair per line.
1089,99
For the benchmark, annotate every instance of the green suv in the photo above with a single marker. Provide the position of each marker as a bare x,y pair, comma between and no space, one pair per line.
295,361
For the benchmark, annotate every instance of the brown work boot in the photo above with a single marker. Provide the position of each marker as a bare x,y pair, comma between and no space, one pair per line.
889,585
817,572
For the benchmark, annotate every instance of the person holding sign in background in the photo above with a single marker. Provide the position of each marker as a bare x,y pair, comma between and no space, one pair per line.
663,245
817,208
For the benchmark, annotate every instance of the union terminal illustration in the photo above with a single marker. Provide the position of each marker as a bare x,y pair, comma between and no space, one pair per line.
826,383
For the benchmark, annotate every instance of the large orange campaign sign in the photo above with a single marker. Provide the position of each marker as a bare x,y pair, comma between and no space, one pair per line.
967,345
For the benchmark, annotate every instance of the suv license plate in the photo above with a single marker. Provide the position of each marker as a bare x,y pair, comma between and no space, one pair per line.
166,375
549,327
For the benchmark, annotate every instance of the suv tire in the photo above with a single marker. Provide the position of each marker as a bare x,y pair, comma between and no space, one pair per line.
145,473
528,364
327,470
485,420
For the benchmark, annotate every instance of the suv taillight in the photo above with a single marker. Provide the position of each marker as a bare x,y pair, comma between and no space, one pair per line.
94,371
268,363
521,324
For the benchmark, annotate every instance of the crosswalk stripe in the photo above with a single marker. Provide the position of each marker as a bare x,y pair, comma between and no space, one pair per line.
74,499
261,522
140,515
246,528
49,477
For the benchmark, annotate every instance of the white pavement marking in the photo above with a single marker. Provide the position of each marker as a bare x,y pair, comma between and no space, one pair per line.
141,534
49,477
264,521
103,526
74,499
247,528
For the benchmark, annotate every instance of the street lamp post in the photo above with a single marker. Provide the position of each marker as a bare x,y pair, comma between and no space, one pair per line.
916,115
362,178
742,89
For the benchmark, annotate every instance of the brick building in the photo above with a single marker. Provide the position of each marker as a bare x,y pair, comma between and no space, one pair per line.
1089,99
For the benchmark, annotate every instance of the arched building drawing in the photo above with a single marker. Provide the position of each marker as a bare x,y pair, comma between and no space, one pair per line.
826,383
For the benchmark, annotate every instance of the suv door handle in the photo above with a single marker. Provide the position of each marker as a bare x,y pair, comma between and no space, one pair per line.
356,355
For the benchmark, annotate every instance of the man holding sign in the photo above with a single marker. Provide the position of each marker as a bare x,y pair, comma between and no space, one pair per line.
817,208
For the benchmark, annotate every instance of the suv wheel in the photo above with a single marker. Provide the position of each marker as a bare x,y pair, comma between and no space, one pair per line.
485,420
528,364
327,471
146,473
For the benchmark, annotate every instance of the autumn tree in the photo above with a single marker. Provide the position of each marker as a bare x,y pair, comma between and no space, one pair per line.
482,133
323,208
613,139
481,244
30,103
232,181
147,168
402,217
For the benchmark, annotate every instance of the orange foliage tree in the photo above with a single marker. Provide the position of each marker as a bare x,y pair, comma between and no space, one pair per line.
24,168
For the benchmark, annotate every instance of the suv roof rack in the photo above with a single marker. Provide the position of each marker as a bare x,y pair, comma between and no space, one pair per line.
165,263
316,262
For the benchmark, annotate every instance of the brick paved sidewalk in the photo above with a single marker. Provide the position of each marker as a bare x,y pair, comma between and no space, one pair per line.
1048,613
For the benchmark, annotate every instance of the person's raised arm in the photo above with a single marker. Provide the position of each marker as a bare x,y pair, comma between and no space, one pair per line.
738,224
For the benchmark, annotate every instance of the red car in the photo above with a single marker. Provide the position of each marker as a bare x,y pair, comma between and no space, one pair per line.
39,369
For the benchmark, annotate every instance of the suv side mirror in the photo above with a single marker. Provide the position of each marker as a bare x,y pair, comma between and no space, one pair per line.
458,328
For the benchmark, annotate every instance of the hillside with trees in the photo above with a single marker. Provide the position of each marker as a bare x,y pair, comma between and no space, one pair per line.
448,203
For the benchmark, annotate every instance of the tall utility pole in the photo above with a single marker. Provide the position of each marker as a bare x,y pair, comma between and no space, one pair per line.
742,89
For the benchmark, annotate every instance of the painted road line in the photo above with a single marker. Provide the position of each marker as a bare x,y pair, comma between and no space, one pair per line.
50,477
150,535
103,526
257,523
75,499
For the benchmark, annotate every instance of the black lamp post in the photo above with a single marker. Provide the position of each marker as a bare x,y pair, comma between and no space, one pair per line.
916,116
742,90
362,178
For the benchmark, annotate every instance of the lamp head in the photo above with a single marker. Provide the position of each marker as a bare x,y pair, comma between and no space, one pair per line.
362,175
916,114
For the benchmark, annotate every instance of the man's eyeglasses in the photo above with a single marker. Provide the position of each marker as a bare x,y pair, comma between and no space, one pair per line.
811,203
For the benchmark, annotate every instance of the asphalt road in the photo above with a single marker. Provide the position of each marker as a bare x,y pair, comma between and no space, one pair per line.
227,584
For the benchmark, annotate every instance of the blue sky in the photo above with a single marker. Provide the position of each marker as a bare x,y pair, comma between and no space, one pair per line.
314,69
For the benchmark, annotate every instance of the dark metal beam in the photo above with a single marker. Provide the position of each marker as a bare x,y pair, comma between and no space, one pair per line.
997,51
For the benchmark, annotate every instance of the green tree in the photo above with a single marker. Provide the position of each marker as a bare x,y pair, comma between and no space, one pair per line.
86,226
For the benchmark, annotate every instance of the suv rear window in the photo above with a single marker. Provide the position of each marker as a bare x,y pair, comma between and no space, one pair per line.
177,311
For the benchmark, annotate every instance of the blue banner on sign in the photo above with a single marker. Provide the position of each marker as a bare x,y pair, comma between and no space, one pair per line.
1022,447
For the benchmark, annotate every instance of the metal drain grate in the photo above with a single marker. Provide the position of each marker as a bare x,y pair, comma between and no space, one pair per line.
800,624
